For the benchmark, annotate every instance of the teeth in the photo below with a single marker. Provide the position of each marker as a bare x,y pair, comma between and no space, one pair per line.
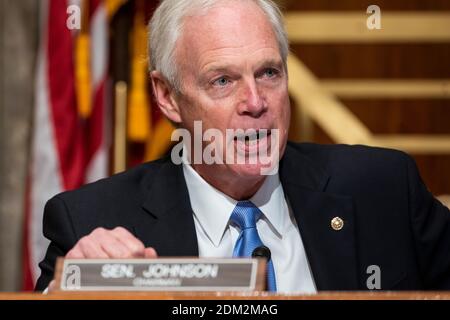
260,134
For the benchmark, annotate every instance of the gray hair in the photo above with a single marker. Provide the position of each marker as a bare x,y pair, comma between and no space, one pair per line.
167,22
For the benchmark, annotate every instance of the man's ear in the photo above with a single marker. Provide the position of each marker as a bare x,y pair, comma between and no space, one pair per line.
164,97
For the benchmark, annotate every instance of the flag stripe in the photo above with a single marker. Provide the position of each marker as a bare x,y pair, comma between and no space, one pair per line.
98,150
96,123
94,5
62,97
66,150
45,178
27,262
99,73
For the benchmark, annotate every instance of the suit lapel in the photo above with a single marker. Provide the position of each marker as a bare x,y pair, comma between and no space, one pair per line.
167,223
331,254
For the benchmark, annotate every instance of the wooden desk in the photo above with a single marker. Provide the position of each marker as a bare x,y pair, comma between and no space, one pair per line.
416,295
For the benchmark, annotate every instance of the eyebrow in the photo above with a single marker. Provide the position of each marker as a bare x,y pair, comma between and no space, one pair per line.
219,68
272,62
228,67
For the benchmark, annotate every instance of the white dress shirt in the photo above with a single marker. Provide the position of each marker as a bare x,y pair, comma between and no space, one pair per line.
277,228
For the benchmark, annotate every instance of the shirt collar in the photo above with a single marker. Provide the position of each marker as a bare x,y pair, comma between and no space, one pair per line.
213,208
270,200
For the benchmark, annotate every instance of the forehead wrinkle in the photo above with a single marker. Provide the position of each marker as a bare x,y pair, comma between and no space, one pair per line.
220,61
211,39
211,24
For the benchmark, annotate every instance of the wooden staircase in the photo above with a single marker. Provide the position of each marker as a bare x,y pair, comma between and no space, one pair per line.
388,87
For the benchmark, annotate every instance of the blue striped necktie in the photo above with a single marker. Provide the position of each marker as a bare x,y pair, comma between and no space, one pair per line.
245,215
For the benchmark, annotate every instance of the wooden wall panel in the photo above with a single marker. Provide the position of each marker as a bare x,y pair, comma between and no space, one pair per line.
376,60
18,47
327,5
386,61
403,116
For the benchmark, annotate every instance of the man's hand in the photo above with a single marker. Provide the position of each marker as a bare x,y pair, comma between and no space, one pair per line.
116,243
102,243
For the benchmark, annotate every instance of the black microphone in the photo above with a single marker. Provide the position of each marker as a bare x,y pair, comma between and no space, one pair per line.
261,252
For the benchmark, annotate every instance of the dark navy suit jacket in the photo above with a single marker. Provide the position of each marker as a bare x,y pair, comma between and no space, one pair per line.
390,218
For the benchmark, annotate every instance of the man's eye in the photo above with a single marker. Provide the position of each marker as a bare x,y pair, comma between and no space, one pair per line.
221,82
270,73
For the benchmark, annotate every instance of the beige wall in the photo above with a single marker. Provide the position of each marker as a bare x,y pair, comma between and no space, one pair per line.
18,40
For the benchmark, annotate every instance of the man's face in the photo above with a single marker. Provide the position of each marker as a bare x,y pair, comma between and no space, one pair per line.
232,77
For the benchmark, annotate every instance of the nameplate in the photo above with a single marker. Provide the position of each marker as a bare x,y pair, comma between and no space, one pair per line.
164,274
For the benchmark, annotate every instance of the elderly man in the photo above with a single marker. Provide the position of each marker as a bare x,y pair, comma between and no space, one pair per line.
330,215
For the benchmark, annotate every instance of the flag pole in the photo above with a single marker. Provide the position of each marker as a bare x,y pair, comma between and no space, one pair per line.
120,143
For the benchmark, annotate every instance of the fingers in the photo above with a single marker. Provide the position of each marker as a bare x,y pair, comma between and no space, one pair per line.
51,286
114,248
150,253
75,253
133,245
117,243
90,246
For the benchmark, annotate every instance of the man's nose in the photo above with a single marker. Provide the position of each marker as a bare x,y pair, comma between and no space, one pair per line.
252,102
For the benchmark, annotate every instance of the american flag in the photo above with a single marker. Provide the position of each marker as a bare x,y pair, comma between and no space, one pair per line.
69,144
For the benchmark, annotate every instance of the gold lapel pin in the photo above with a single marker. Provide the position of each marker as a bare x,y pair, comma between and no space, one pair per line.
337,223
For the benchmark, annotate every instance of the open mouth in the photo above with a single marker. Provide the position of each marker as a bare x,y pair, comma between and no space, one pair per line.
252,136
